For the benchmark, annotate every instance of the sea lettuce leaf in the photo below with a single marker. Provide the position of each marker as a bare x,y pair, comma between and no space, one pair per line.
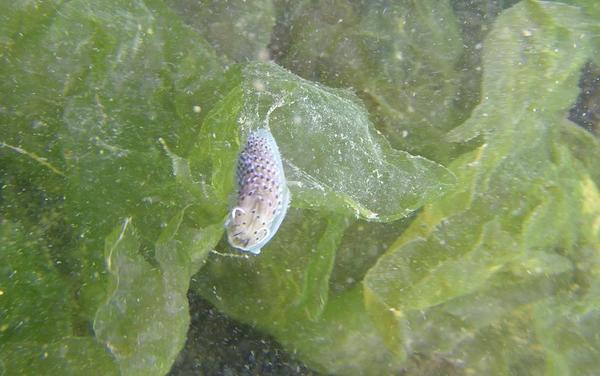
66,356
145,318
37,333
120,129
34,298
405,59
91,92
285,292
99,99
332,156
483,263
239,31
338,168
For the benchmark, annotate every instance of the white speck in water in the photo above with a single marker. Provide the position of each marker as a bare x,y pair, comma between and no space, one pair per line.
258,85
263,55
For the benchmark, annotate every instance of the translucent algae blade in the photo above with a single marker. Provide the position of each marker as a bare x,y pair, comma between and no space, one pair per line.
328,145
331,151
263,195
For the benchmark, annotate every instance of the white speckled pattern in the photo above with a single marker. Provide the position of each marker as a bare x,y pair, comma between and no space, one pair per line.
263,194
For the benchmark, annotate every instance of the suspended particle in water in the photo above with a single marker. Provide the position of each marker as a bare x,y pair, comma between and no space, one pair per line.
263,196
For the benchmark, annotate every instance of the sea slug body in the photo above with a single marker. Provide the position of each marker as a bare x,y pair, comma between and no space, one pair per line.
263,196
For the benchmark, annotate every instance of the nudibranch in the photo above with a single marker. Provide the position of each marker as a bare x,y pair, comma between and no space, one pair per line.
263,196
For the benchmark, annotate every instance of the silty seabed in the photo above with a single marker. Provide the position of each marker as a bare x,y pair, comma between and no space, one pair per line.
263,196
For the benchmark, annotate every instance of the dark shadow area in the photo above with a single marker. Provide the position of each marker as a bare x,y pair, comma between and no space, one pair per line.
586,112
217,345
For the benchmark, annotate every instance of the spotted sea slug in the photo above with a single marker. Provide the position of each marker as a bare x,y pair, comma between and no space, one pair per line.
263,196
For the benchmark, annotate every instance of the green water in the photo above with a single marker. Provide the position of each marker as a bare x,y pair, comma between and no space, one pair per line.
441,157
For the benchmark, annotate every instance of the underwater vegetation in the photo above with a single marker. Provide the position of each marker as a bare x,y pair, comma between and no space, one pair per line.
444,213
